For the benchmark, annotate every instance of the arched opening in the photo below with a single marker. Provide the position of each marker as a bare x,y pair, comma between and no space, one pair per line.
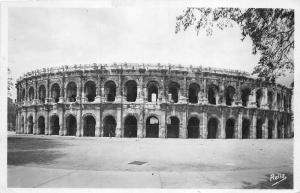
284,103
90,91
31,93
212,94
152,89
42,93
229,93
270,129
229,129
89,126
109,127
278,101
110,91
193,127
193,93
259,124
270,99
246,129
131,91
245,96
71,125
212,127
30,125
71,92
259,95
279,129
173,128
130,126
54,125
23,95
55,92
41,125
152,127
173,91
286,130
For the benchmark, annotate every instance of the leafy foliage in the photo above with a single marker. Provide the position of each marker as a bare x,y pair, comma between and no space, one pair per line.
10,84
271,31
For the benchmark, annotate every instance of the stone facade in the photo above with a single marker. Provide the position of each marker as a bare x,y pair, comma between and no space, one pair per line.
139,100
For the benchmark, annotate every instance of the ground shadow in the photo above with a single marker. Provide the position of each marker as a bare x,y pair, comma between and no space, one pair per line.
266,184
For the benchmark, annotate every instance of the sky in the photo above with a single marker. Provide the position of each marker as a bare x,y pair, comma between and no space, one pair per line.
45,37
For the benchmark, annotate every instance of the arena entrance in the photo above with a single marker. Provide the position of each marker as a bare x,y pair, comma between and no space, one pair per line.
246,129
212,94
173,128
71,125
229,93
131,90
193,127
245,96
110,91
152,89
130,126
89,124
193,93
30,125
41,125
109,127
173,90
212,127
54,125
152,127
259,124
71,92
229,129
270,129
42,93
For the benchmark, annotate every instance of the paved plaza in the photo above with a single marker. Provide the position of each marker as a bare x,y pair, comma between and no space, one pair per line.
92,162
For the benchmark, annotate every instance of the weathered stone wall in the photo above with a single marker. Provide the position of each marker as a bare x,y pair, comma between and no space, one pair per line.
225,104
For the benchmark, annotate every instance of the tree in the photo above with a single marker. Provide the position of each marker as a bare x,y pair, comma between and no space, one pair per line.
271,31
10,84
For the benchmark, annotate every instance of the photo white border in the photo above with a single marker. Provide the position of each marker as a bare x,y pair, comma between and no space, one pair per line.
294,4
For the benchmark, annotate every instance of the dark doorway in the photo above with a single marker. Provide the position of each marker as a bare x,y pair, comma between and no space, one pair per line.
41,125
42,93
54,125
71,125
212,127
131,90
109,127
229,129
30,125
110,91
90,91
270,99
55,92
259,95
193,127
173,128
270,129
31,93
246,129
89,126
152,91
193,93
71,92
280,129
22,124
229,93
152,127
130,127
212,92
245,96
259,124
173,90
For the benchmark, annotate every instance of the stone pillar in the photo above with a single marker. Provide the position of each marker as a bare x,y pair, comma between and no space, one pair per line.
97,126
162,125
221,127
140,126
203,125
47,128
238,132
35,124
264,102
119,123
98,90
182,126
253,127
79,130
61,123
62,94
265,129
274,104
274,130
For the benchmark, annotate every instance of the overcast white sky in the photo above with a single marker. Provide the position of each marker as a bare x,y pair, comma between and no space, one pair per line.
44,37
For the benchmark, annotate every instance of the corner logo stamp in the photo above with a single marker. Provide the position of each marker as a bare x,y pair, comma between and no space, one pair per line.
277,178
